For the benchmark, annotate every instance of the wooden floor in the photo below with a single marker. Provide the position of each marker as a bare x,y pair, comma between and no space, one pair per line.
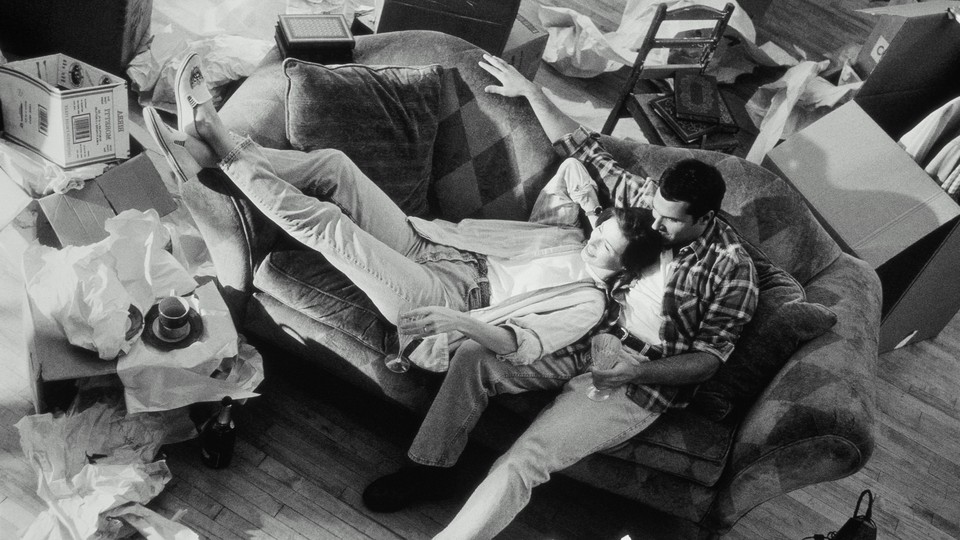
308,446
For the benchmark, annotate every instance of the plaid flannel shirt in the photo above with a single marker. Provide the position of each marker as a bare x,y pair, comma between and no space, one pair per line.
714,269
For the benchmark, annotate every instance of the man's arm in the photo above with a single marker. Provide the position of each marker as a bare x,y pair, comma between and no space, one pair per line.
686,368
554,122
569,138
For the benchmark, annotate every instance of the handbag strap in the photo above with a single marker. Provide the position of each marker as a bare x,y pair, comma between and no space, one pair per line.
866,493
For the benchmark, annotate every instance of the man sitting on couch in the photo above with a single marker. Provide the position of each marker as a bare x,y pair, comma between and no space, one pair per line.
679,320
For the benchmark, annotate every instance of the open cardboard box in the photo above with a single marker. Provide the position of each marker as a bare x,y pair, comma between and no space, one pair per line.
883,208
873,198
911,61
527,40
78,216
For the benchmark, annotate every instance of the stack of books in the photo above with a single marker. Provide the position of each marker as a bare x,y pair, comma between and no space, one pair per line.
696,108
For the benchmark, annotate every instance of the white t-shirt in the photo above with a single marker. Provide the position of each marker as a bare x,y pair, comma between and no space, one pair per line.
510,277
642,313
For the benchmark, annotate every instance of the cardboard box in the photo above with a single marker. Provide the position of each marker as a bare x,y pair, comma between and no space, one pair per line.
103,33
527,40
77,217
69,111
911,62
883,208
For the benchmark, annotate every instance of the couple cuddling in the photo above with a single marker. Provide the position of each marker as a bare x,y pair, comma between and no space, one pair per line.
520,304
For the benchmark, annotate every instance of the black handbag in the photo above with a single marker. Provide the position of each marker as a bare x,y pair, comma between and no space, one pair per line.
859,527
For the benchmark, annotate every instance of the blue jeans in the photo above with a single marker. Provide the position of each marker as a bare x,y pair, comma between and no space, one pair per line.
566,431
325,202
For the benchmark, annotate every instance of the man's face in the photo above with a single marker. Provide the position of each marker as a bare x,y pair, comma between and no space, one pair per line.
675,225
605,246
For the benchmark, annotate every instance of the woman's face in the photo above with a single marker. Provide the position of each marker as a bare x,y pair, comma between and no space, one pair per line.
605,247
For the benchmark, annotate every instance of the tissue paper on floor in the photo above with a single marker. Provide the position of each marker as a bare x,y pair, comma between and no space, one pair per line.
90,462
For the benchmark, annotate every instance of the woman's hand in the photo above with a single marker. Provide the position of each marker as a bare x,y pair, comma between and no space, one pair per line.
513,84
428,321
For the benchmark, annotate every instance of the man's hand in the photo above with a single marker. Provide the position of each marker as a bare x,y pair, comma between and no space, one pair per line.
624,371
513,84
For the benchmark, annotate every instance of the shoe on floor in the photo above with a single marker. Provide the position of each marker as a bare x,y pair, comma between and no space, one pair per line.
410,485
190,90
172,144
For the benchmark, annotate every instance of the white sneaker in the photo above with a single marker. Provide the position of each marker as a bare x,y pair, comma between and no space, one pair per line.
173,145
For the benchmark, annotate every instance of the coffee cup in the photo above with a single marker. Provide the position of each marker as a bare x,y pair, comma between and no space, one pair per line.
173,316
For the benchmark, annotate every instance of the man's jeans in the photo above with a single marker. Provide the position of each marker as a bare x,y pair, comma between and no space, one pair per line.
325,202
566,431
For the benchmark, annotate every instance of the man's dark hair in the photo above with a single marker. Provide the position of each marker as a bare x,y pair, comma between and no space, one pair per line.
694,182
644,243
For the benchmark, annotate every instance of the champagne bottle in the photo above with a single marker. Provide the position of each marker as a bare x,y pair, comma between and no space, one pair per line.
217,437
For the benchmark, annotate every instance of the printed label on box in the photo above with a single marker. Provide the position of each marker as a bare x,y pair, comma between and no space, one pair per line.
70,112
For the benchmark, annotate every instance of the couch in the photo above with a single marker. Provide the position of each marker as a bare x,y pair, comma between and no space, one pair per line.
813,423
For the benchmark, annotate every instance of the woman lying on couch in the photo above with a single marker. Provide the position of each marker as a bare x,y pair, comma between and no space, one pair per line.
520,289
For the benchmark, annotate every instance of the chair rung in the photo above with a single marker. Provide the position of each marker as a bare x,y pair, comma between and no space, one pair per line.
682,42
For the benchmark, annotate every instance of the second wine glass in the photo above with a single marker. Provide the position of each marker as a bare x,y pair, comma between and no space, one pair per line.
605,350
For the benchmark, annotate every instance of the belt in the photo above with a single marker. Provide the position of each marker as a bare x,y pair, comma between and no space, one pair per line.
636,343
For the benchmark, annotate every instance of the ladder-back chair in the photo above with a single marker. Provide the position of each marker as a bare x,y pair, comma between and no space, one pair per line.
705,42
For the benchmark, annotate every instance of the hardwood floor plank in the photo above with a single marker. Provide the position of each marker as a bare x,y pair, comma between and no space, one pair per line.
317,496
169,504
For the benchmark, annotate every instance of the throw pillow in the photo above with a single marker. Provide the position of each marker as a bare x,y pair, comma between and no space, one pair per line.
383,117
782,322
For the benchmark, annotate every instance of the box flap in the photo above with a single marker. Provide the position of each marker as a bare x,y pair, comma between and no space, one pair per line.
136,185
862,184
920,9
78,216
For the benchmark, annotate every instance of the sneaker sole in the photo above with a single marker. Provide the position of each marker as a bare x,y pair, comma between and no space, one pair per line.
151,119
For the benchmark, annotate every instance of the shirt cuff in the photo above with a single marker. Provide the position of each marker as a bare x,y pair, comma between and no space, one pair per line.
570,143
722,353
528,350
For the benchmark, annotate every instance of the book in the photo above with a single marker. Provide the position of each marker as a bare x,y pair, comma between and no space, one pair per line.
316,38
697,97
687,131
690,130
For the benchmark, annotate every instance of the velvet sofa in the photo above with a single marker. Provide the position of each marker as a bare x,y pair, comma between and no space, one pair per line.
813,423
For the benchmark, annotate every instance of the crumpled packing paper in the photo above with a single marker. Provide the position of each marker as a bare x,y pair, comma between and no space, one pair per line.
230,42
39,176
795,101
576,47
213,367
92,462
89,289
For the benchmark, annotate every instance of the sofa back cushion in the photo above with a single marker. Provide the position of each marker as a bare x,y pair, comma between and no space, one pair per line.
383,117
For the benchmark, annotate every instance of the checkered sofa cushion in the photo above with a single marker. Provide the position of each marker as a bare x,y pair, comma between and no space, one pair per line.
478,171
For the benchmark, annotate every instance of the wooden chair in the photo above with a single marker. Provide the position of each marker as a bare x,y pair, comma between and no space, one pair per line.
706,42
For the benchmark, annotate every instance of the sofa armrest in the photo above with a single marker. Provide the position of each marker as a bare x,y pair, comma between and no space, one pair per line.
814,422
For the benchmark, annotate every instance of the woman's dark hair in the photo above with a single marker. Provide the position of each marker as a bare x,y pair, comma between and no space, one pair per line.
694,182
644,243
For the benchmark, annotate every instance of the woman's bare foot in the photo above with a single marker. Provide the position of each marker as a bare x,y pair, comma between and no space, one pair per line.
209,129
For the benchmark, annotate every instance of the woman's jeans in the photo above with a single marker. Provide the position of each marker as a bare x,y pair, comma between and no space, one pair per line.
567,430
325,202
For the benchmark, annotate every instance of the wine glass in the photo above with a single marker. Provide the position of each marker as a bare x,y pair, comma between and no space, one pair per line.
399,362
604,351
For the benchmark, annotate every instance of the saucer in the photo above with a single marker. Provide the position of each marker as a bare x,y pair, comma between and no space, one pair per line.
152,335
134,323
